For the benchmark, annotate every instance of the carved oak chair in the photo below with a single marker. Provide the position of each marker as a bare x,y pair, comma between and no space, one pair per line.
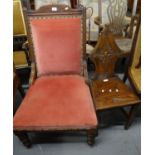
108,90
20,54
59,98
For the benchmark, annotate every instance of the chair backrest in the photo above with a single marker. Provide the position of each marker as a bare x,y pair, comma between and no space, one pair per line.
105,56
116,11
57,39
18,19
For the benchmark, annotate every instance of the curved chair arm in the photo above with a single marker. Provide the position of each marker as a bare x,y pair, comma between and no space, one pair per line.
25,45
33,74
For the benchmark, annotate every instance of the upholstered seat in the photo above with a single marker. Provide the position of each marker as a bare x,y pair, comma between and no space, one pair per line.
57,102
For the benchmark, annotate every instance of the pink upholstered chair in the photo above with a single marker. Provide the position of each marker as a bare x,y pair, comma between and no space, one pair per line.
59,98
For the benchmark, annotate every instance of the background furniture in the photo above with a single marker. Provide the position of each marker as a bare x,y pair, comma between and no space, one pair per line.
133,72
39,3
130,5
113,19
54,101
20,54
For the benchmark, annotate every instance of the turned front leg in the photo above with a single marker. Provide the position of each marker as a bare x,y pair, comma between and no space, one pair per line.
23,138
91,134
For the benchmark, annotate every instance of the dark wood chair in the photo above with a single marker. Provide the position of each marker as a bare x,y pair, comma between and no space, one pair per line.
108,90
59,98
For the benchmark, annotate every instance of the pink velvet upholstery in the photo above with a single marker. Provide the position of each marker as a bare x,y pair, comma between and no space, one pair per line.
57,102
57,44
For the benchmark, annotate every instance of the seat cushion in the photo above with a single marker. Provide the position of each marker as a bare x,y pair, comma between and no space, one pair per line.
57,45
56,102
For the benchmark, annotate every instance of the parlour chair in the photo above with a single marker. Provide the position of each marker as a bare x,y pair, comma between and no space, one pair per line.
59,98
108,90
20,54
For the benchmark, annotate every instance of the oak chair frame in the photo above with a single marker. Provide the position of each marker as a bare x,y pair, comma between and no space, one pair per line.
106,50
43,12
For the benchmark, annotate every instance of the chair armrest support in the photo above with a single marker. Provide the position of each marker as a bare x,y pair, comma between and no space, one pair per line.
26,50
33,74
85,71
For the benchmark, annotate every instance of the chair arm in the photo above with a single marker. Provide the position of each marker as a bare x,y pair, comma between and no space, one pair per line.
85,71
33,74
25,45
26,50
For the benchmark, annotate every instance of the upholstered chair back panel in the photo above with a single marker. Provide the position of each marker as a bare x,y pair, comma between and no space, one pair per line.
18,19
57,45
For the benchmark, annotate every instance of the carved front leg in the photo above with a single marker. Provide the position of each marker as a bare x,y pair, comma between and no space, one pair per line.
23,138
91,134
